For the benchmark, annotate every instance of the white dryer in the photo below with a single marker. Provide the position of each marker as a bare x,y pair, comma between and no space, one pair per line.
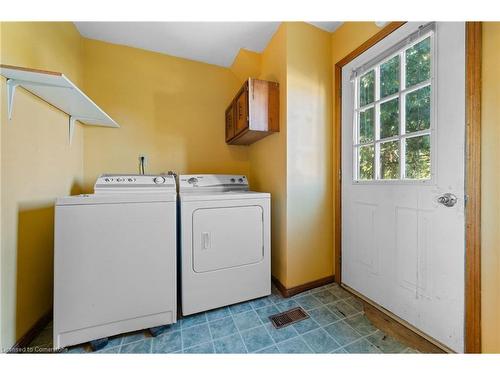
115,259
225,242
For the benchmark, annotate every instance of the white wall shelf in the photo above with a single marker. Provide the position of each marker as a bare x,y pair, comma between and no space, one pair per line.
56,89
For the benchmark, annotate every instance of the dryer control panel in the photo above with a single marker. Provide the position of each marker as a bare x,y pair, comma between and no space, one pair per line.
212,182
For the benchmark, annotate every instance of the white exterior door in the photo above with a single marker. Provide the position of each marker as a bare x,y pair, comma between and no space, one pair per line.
403,133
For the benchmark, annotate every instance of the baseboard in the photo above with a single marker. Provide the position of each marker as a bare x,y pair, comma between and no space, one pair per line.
33,332
289,292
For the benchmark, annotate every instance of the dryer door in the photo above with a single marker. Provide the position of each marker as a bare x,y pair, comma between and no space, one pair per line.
226,237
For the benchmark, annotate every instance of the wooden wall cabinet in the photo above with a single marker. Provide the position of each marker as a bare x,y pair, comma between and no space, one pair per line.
253,113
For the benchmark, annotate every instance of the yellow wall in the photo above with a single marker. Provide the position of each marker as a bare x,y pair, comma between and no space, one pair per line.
490,186
309,154
38,165
170,109
295,164
345,39
268,156
246,64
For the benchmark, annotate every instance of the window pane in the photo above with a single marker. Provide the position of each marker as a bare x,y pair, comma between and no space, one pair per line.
389,118
418,62
389,160
418,110
418,157
389,77
367,88
366,125
366,161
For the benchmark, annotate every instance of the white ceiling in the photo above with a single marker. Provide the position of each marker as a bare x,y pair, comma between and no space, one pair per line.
211,42
215,43
327,26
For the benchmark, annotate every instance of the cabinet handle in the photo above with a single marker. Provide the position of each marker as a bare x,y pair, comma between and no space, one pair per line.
239,111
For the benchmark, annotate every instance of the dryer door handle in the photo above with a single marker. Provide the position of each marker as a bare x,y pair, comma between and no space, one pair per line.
205,240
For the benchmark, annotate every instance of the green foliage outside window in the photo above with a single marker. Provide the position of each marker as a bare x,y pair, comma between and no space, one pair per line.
389,118
418,110
389,77
367,88
418,62
389,160
366,160
417,115
367,125
418,157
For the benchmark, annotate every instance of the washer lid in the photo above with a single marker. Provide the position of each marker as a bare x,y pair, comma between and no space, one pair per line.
223,195
115,198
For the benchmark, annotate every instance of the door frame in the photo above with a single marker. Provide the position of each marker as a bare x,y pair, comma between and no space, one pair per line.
473,39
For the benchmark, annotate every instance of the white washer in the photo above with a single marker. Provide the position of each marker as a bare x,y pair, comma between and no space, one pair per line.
225,242
115,258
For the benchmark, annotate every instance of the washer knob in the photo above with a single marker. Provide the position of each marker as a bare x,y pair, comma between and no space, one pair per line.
159,180
233,180
240,180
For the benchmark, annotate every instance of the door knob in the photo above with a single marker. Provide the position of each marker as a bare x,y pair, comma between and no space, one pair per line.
447,199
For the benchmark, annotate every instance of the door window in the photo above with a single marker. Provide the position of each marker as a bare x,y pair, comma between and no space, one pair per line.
393,116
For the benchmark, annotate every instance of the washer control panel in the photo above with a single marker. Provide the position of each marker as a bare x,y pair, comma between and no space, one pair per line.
132,183
220,182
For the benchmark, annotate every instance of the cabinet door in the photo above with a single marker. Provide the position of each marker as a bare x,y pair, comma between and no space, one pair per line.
241,111
230,122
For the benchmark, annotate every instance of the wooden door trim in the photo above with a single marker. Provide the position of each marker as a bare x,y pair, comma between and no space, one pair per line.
472,176
473,188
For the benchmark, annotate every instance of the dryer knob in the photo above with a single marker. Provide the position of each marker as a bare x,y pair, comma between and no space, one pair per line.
233,180
159,180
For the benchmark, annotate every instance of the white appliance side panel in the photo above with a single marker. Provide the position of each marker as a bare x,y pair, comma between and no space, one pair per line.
202,291
113,263
225,237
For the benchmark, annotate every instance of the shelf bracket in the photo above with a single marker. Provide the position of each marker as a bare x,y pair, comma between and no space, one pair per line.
11,90
72,120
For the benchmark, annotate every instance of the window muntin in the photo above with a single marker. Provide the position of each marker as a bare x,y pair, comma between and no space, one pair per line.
393,116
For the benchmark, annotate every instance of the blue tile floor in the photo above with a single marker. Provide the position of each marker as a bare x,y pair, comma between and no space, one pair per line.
337,324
